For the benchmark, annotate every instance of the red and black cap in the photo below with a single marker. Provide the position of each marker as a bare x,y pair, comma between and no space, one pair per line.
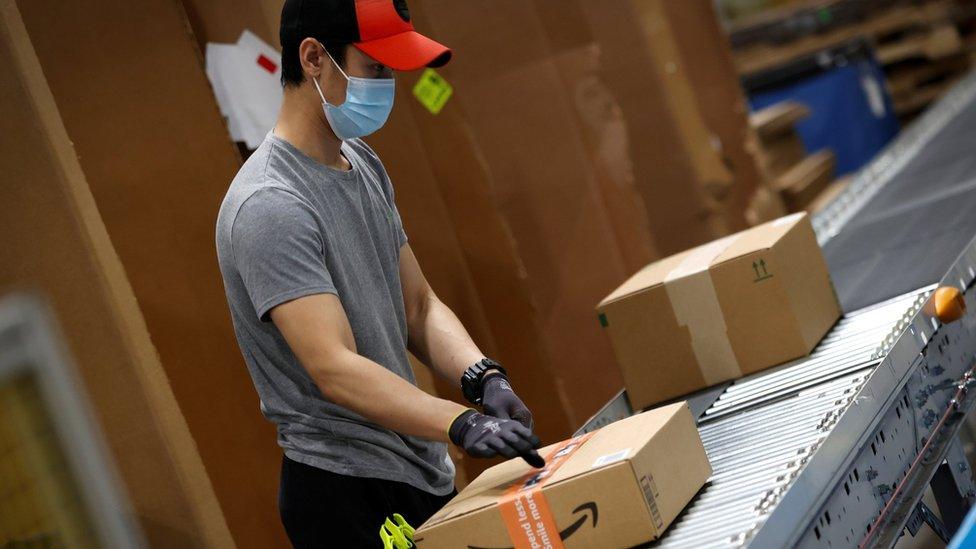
379,28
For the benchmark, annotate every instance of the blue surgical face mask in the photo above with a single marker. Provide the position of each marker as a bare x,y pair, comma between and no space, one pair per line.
367,106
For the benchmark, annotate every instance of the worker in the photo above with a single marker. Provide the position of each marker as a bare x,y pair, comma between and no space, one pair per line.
327,297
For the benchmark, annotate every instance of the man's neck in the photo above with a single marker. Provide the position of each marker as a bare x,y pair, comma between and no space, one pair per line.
302,123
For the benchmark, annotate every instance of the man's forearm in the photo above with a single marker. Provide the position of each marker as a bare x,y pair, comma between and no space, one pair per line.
439,340
363,386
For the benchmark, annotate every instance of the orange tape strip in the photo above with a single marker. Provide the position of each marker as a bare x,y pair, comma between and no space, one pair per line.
524,508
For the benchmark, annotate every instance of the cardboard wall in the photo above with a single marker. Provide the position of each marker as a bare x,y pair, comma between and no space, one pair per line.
678,170
705,55
473,267
602,127
223,21
129,83
475,271
55,244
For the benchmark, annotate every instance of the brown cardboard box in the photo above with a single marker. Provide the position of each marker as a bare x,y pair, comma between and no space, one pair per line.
621,486
732,307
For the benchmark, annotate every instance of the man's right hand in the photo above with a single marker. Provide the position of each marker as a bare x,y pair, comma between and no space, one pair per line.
485,436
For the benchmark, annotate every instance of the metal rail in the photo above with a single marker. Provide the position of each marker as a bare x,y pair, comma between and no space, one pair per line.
759,445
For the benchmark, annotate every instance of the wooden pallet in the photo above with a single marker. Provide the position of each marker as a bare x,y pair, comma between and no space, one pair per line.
803,182
903,81
760,57
776,119
780,145
909,106
934,43
923,47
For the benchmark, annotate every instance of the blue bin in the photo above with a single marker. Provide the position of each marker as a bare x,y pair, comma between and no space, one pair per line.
850,109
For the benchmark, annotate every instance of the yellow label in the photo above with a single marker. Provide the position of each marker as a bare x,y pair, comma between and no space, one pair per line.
432,91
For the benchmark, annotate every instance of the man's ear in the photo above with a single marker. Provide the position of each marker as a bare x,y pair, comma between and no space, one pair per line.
310,55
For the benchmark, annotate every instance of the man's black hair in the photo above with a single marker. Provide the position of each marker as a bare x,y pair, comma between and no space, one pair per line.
291,66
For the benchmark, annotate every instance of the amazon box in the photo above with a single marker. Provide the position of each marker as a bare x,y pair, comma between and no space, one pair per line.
616,487
732,307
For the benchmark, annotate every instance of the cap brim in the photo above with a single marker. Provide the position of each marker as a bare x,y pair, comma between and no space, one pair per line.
406,51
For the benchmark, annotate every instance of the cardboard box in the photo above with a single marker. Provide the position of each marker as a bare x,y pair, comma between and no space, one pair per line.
616,487
717,312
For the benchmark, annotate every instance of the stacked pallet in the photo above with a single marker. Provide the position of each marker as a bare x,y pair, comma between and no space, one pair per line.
923,46
797,177
924,58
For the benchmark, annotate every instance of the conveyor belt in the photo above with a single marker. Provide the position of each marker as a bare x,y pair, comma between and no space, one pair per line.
759,433
835,449
809,453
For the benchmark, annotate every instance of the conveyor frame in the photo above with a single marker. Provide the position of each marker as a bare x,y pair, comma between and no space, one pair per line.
923,361
908,379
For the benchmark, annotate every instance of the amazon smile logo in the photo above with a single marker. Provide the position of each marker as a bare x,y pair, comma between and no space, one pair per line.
588,510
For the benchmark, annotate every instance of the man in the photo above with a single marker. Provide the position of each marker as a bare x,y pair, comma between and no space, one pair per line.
327,297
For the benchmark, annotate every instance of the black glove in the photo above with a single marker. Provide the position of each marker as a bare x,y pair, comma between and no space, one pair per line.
499,400
485,436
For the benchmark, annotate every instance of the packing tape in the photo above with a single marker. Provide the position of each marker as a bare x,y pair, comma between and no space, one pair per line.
695,304
524,508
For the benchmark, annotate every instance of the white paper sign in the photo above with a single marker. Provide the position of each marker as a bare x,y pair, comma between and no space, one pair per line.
246,78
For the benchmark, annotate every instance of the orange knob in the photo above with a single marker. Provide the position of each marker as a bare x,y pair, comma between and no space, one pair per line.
949,304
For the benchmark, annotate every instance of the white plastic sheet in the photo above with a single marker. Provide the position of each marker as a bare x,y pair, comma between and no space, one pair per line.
246,79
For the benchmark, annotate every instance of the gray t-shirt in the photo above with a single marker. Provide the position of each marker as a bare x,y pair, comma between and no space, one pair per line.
289,227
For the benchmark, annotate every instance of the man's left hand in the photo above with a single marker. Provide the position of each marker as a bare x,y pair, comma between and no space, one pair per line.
499,400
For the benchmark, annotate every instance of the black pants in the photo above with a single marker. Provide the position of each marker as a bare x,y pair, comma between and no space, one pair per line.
323,509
